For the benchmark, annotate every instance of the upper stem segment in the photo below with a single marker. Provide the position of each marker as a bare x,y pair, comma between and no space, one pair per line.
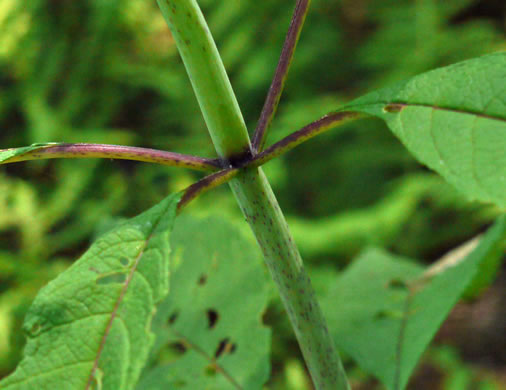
208,77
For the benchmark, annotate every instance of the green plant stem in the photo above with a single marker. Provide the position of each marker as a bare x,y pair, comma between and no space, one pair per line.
253,192
208,77
82,150
261,209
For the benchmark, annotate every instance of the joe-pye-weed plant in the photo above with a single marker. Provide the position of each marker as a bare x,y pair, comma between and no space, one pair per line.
106,321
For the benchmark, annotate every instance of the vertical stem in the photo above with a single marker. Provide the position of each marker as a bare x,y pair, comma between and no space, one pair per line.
253,192
261,209
207,75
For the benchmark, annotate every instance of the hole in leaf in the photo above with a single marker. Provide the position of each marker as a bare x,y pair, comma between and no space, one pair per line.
202,279
118,277
173,317
177,347
210,370
124,261
212,318
224,347
398,284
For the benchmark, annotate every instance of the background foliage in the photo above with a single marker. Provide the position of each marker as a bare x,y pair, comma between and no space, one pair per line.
108,71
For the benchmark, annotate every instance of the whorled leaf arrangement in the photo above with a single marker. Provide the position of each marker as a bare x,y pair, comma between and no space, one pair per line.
452,119
90,327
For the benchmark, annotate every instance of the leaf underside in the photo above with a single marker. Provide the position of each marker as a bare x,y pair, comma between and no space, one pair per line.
382,315
89,327
453,120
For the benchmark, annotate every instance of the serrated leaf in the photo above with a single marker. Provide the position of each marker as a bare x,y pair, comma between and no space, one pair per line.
383,311
8,154
89,327
453,120
219,291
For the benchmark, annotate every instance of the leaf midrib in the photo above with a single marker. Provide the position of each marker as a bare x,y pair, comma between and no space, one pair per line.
401,104
120,298
441,108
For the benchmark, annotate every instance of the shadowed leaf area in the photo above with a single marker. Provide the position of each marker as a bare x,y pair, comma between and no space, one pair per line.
384,309
209,330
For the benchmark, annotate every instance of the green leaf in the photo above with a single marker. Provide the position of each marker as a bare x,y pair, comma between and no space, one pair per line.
384,310
453,120
7,154
212,319
88,328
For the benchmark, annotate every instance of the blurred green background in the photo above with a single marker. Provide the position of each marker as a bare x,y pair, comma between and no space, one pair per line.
107,71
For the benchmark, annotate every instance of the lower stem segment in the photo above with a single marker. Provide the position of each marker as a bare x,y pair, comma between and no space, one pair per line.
261,209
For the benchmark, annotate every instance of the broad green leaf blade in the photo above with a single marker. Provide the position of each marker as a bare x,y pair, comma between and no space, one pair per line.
8,155
453,120
88,328
219,291
384,316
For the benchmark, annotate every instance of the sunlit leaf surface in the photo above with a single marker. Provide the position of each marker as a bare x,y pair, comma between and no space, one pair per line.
453,120
89,327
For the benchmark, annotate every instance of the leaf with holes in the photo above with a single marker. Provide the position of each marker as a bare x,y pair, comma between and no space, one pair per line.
88,328
210,326
453,120
384,310
9,155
